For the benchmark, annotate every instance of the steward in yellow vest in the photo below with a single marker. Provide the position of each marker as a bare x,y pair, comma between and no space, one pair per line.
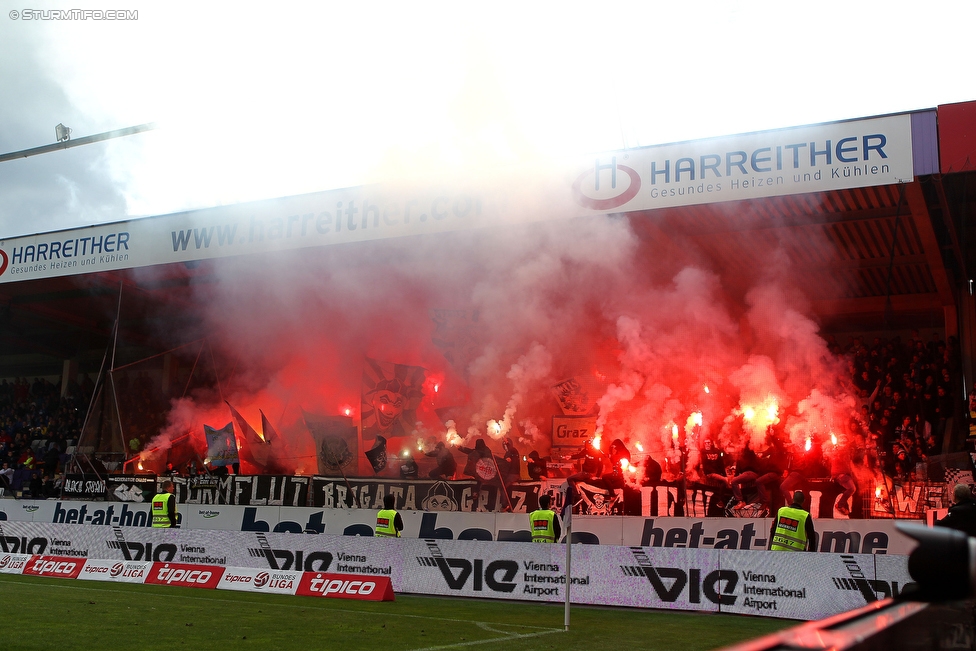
543,523
388,521
164,507
792,529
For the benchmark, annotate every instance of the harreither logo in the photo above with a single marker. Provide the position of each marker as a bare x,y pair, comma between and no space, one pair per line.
606,185
3,261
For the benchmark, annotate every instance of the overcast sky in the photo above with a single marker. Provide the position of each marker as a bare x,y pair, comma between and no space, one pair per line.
258,100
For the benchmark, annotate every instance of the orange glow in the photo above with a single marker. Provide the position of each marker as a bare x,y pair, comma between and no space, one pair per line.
697,418
640,447
436,387
761,416
808,444
348,412
877,492
596,442
833,438
140,465
624,463
705,387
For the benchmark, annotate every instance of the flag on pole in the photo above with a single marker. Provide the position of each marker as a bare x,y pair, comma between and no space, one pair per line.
254,449
270,433
391,394
336,441
221,445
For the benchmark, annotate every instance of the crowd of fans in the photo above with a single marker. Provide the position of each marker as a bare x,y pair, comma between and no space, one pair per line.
37,427
908,391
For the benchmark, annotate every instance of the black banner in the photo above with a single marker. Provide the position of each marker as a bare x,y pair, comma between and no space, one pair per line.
423,494
130,488
243,490
83,487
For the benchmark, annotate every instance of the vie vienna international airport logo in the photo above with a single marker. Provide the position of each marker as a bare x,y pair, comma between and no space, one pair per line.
606,185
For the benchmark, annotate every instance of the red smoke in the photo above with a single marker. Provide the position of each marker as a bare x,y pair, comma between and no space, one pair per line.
646,330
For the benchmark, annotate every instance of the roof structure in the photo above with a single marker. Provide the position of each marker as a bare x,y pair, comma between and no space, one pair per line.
896,255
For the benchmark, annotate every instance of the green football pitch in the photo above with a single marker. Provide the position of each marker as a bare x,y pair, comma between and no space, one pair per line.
43,613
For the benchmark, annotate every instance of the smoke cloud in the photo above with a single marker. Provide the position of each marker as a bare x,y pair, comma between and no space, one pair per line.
673,352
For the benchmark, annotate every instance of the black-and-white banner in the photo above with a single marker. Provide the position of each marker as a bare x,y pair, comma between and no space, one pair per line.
244,490
83,487
425,495
130,488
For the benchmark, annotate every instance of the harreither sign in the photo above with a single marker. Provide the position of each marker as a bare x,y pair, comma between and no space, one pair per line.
856,153
833,156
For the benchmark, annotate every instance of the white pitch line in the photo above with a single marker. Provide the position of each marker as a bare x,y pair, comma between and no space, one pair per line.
505,637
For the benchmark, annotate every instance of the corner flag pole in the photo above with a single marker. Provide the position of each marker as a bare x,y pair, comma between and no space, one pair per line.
568,522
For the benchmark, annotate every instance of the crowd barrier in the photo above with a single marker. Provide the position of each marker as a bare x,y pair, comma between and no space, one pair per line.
839,536
774,584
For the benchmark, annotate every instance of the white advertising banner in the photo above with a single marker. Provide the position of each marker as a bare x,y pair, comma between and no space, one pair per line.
117,571
851,154
873,536
855,153
13,563
772,584
245,579
283,224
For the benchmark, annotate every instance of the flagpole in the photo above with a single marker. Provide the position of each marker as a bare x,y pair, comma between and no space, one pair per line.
568,521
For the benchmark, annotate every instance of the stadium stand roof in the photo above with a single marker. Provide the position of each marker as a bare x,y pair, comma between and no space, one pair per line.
899,253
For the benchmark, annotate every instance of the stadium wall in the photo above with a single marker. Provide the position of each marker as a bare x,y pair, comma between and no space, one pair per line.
772,584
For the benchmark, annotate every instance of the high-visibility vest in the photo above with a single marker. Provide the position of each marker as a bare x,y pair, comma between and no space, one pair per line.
790,534
384,524
541,524
160,514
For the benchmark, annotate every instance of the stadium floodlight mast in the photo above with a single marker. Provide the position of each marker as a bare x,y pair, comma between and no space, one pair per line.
63,135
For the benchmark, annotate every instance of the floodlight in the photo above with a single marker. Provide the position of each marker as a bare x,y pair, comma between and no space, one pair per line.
62,133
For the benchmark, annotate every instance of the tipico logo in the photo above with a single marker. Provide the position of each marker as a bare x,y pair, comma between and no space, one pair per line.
606,186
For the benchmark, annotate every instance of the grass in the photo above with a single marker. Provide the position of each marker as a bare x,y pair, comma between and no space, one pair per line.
44,613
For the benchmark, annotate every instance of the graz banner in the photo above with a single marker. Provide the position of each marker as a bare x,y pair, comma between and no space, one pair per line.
424,495
572,431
